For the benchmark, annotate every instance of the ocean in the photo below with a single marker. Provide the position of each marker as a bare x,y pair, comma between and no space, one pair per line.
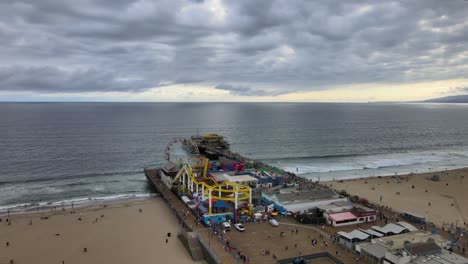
57,153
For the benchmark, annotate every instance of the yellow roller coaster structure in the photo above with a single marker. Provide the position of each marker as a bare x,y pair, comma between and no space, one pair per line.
188,180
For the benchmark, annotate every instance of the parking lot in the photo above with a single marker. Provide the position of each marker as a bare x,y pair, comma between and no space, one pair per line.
288,240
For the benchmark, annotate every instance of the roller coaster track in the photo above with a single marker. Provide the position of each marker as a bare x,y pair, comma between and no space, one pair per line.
224,191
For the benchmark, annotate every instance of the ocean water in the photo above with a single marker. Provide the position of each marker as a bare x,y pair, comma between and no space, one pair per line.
54,153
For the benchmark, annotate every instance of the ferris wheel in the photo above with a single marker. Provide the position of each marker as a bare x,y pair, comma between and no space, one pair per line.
181,149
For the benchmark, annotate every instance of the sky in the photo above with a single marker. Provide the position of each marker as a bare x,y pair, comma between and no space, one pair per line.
242,50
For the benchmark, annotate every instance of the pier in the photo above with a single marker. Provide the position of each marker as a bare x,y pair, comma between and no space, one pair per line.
260,242
257,238
291,239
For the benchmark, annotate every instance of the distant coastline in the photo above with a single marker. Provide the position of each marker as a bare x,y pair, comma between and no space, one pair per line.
456,99
453,99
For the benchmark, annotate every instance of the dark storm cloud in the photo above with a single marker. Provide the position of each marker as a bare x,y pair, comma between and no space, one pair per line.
123,45
53,80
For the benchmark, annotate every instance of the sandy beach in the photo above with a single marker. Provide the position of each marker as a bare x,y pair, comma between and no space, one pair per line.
117,233
441,202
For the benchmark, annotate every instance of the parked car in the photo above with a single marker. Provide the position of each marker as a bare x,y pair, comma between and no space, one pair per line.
239,227
226,226
273,222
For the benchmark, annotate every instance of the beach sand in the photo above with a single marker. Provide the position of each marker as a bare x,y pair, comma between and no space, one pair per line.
121,235
448,197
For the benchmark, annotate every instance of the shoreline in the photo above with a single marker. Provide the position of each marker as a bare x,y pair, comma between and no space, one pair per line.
403,175
72,203
341,175
82,202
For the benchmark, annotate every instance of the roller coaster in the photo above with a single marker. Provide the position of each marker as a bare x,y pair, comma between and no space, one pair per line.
192,176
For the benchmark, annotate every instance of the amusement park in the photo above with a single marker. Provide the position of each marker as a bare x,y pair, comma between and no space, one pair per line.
216,187
205,182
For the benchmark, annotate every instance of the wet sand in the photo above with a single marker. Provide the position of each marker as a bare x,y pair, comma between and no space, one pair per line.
121,234
441,202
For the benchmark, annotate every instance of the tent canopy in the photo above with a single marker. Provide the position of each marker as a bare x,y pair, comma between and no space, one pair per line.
408,226
354,234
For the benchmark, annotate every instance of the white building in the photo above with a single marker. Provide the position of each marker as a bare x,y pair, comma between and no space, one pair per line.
302,201
402,249
241,179
349,240
347,213
392,229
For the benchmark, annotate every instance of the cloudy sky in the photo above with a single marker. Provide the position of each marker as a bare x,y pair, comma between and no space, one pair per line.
243,50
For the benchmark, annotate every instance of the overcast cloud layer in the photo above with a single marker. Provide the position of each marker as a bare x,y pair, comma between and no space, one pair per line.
250,48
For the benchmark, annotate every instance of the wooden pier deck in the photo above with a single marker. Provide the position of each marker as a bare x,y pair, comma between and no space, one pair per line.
186,218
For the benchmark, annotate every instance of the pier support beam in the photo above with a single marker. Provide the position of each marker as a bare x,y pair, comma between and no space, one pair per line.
235,199
203,192
209,201
183,180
